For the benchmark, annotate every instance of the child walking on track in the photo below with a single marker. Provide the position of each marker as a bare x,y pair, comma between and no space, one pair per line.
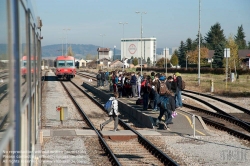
113,114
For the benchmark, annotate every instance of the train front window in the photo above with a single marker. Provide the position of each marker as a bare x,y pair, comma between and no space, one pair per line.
69,63
61,63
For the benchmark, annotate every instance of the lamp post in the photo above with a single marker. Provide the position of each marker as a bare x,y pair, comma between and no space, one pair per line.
141,35
67,29
123,23
186,60
199,57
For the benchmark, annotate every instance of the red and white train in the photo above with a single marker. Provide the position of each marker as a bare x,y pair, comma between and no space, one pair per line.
65,67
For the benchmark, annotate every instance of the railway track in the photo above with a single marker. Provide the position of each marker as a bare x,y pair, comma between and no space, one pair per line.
4,113
142,152
236,126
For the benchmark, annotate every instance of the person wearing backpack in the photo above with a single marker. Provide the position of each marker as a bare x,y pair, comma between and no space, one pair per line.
167,106
178,99
166,101
113,113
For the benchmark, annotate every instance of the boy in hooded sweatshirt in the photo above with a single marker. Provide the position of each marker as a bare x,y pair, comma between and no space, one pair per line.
113,114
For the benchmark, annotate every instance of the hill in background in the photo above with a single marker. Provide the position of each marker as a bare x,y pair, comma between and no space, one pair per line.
80,50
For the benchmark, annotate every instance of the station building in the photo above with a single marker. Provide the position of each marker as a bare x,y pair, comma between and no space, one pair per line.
137,47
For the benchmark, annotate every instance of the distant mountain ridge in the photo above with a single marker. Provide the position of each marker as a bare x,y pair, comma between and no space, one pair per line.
80,50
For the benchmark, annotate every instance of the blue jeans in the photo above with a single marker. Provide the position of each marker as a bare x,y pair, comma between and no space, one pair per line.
98,83
178,100
156,100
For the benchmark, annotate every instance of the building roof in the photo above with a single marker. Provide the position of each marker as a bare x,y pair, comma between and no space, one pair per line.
244,53
103,49
210,54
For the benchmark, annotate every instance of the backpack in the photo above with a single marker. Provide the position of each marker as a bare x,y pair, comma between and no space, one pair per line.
108,106
163,88
183,85
139,102
165,103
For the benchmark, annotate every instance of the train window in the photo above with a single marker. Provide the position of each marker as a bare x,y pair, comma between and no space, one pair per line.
32,53
4,72
69,63
23,51
61,63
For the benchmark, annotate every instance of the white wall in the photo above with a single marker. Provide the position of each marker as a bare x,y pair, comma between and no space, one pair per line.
134,47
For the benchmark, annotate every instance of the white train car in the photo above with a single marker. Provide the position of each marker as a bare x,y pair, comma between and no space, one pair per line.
20,99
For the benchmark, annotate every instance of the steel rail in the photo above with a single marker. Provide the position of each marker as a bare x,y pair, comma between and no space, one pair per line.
221,100
106,148
166,160
223,127
230,119
241,122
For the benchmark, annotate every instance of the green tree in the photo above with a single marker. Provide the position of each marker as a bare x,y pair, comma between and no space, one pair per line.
193,55
189,44
240,38
215,36
182,54
218,56
148,61
135,61
234,58
248,45
174,59
160,62
196,41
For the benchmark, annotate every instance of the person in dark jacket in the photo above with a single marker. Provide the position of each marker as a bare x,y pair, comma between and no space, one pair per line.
146,91
133,84
98,78
178,81
166,103
102,78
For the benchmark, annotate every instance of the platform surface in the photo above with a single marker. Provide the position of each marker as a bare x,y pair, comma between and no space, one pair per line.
182,123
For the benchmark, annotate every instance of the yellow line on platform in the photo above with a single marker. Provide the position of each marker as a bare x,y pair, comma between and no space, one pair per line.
190,122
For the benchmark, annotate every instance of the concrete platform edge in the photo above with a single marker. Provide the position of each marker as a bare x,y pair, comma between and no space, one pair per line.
199,118
123,107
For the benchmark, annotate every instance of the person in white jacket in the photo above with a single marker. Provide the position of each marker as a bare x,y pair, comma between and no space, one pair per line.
113,114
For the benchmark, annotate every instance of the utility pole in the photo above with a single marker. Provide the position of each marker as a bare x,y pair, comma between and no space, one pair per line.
141,35
199,65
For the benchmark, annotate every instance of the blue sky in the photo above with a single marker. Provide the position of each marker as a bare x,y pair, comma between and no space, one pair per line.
170,21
